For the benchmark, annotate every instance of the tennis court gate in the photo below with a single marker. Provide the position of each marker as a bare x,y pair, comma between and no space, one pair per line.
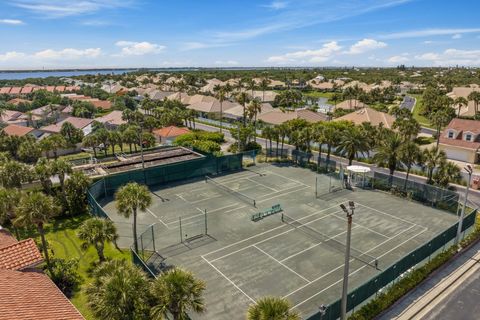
371,288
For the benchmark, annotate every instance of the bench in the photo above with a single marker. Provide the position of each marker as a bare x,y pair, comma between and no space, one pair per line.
260,215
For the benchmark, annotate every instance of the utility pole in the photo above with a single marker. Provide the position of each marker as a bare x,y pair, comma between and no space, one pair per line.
469,170
343,310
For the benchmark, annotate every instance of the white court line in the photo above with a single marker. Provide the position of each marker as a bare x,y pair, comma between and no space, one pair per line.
261,184
387,214
190,204
315,245
293,180
233,283
269,238
264,232
302,302
362,226
281,194
280,263
341,266
161,221
198,215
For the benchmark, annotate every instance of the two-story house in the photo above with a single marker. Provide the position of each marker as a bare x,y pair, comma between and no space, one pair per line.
461,140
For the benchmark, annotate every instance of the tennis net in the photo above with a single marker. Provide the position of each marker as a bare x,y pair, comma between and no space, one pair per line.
354,253
235,193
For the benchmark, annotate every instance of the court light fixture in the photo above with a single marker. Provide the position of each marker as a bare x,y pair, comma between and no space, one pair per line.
344,208
351,204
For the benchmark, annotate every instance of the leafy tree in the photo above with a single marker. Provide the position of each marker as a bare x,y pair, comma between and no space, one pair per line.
61,168
441,118
447,172
432,158
129,199
177,291
43,172
64,274
13,174
91,141
75,188
119,291
29,151
36,209
72,135
272,308
475,97
53,143
460,102
8,202
410,154
95,232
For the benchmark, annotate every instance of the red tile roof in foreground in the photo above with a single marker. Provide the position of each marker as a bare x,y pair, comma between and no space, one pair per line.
16,130
33,296
20,255
171,131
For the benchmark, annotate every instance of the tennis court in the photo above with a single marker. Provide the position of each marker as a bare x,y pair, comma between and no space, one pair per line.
206,226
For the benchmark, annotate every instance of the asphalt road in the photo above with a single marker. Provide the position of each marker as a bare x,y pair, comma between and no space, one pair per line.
408,103
474,196
462,304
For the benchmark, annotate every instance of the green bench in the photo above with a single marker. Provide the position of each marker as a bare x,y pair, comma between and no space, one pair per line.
260,215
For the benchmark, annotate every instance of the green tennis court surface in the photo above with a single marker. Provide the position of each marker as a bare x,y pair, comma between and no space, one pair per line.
207,228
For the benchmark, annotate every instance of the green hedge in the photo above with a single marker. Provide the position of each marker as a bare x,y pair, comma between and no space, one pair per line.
384,300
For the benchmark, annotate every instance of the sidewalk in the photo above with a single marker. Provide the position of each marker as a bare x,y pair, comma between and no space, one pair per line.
442,295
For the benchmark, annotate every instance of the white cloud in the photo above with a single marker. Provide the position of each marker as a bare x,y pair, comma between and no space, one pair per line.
226,63
59,8
451,57
12,55
366,45
313,56
68,53
11,21
457,36
398,59
276,5
427,33
131,48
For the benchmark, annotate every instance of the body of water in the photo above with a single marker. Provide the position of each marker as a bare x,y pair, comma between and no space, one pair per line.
20,75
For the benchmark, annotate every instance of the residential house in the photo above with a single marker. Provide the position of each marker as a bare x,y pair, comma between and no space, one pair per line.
20,131
14,117
277,116
461,140
350,104
167,135
112,120
80,123
26,292
372,116
17,101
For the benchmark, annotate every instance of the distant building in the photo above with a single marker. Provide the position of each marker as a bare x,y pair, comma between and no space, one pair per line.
167,135
369,115
277,116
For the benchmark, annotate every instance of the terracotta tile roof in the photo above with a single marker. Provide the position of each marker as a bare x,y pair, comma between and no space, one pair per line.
350,104
17,101
6,238
20,255
60,88
277,116
33,296
26,90
15,90
369,115
10,115
171,131
5,90
100,104
16,130
78,123
113,118
464,125
49,88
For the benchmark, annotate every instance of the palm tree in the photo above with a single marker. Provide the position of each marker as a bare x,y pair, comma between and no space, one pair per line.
8,202
272,308
95,232
264,86
267,134
53,143
475,97
91,141
130,198
409,155
460,102
388,151
177,291
319,139
61,168
255,107
221,96
432,158
36,209
242,98
441,118
446,173
283,133
331,134
119,291
43,172
352,142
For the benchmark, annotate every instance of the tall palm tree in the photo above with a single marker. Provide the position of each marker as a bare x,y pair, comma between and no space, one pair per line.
43,172
95,232
331,135
119,291
267,134
178,292
475,97
351,143
319,139
283,133
221,95
61,168
272,308
409,155
255,107
264,86
53,143
388,152
446,173
441,118
8,202
432,158
36,209
130,198
242,98
460,102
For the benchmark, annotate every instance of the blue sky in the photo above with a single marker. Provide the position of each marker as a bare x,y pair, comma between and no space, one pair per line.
222,33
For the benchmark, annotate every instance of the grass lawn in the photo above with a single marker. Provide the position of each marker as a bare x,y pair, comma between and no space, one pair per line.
61,236
416,112
318,94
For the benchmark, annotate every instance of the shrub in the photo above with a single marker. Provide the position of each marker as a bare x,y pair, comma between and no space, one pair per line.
64,275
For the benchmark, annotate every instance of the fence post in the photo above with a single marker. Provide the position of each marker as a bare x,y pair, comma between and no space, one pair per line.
104,187
181,233
206,223
141,243
153,239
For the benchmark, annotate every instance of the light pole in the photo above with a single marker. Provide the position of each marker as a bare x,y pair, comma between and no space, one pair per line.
140,136
322,310
469,170
343,310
